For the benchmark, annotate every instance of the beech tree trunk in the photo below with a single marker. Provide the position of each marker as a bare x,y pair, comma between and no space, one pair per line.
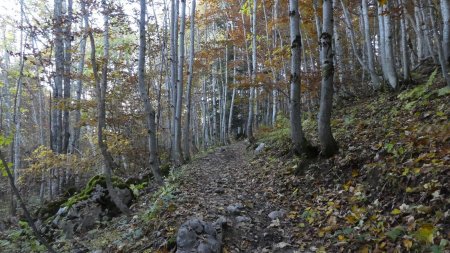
445,9
149,112
298,138
439,45
17,110
75,146
328,144
251,101
67,75
101,87
404,43
187,135
368,41
174,74
178,158
56,140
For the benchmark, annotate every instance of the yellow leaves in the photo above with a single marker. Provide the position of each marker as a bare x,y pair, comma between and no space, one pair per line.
332,221
292,215
351,219
356,214
425,233
424,209
364,249
324,230
396,211
407,244
347,185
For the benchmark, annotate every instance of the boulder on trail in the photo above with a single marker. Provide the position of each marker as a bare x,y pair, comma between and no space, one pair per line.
199,236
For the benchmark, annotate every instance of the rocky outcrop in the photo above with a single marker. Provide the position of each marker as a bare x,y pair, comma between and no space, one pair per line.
86,214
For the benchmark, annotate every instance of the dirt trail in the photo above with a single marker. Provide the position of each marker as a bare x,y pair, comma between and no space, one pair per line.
226,177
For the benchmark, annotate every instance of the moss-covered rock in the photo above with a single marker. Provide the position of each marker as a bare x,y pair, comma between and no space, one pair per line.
49,209
90,187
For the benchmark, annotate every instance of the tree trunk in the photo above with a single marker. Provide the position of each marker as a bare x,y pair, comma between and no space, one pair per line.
178,110
253,75
148,109
17,109
297,135
59,73
404,43
440,51
390,69
173,73
328,144
205,116
373,75
187,135
368,41
101,86
67,75
75,146
445,9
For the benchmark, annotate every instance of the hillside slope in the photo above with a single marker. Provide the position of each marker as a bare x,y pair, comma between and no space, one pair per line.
386,190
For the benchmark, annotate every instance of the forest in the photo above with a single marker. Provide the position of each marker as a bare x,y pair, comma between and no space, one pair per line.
225,126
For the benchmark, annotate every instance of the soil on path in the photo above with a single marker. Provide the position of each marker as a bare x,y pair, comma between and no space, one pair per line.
221,181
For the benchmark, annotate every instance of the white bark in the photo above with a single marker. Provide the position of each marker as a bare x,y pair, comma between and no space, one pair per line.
368,41
187,135
173,72
148,109
391,72
297,135
445,9
327,142
178,159
253,75
403,43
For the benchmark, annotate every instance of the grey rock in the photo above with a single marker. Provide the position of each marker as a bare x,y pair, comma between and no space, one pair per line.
196,235
260,148
209,229
240,219
220,222
73,213
204,248
213,243
277,214
196,225
89,217
61,211
68,229
124,195
235,209
186,238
